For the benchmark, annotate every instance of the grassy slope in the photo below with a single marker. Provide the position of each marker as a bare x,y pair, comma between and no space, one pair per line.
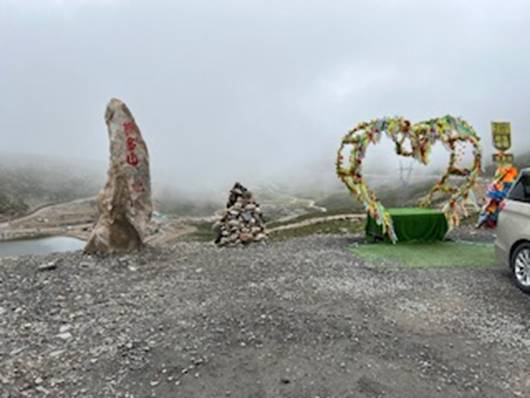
325,228
11,206
343,202
26,183
179,206
427,255
204,231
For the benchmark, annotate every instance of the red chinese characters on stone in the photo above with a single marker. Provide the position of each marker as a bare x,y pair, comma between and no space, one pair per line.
128,127
131,157
131,144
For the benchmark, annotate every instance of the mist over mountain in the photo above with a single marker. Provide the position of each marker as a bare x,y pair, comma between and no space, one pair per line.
252,90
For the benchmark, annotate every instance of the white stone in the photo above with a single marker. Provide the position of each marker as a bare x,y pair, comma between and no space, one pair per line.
65,336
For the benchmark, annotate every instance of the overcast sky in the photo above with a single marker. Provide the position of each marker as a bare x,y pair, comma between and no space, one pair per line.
233,88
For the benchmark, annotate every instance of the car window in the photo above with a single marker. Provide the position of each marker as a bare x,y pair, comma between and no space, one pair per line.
521,190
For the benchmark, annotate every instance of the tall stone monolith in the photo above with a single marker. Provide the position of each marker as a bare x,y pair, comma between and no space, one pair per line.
124,204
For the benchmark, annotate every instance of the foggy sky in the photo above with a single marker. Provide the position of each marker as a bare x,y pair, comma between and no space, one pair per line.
232,89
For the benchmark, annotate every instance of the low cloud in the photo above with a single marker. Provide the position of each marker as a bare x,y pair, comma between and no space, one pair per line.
254,89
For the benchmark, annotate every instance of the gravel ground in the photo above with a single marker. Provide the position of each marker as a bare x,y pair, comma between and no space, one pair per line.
297,318
470,233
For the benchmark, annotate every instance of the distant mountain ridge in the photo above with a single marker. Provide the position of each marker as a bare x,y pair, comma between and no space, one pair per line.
30,181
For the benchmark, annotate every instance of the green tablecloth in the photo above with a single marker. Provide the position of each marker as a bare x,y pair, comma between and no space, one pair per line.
412,224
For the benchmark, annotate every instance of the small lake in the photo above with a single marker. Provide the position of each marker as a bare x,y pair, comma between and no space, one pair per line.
40,246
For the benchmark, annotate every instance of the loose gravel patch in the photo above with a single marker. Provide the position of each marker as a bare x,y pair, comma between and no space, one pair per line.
296,318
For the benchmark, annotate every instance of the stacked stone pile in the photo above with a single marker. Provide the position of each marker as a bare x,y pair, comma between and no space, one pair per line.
242,221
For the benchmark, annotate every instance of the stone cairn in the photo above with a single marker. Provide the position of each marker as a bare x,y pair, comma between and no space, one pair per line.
242,222
124,204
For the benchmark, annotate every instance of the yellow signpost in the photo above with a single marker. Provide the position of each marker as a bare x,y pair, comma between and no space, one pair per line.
504,158
502,141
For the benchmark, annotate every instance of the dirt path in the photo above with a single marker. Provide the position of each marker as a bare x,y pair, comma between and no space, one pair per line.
73,218
34,211
170,234
317,220
308,204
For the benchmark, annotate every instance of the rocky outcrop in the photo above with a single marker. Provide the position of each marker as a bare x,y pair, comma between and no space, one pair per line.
242,221
124,204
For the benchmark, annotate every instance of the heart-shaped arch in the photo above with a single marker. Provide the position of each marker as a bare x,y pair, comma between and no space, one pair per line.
421,136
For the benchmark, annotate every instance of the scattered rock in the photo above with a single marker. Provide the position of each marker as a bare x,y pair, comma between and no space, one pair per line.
86,264
48,266
42,390
65,336
65,328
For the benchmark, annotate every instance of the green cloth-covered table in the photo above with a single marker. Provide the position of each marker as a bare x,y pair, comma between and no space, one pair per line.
412,224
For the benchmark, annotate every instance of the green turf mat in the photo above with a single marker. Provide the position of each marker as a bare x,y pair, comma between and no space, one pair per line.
426,255
412,224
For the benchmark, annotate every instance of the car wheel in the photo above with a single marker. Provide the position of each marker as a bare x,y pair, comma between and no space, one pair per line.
521,267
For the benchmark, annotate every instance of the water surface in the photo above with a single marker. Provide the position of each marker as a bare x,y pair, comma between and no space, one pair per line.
40,246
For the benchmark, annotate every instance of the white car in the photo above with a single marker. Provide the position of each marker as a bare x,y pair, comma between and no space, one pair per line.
512,244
